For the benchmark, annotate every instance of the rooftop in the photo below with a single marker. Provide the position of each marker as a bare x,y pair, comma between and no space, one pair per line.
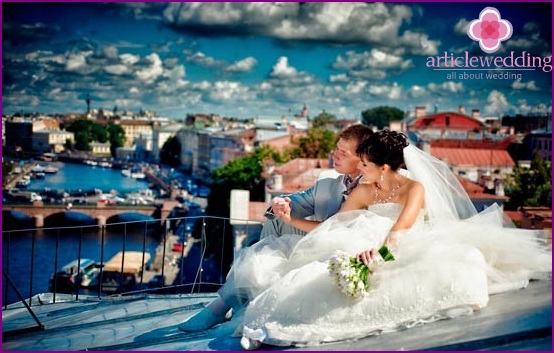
519,320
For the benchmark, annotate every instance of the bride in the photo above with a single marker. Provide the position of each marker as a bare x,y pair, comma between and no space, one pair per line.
448,257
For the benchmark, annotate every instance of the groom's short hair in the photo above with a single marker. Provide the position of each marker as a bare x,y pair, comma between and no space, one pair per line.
358,132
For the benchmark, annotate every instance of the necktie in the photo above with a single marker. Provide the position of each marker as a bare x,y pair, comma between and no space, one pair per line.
350,184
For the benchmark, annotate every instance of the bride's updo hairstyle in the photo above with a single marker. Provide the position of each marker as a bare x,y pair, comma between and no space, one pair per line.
384,147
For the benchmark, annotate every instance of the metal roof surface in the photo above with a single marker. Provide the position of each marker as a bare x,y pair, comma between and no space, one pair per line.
518,320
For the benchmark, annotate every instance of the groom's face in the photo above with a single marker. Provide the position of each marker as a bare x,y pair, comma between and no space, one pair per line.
345,158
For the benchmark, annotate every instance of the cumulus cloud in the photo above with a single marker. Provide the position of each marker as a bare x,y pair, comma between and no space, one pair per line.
445,87
129,59
118,69
372,64
461,26
244,65
417,91
350,22
152,71
339,78
227,90
497,103
531,85
393,92
77,62
282,69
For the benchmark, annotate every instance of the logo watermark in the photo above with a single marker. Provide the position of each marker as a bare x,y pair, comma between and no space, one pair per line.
489,30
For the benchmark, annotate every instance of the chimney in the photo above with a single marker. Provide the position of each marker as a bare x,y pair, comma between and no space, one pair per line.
461,109
420,112
475,114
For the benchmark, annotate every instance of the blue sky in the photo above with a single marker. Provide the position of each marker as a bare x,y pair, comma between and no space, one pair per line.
261,59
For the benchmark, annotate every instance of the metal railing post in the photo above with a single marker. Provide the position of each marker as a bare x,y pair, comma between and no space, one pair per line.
103,231
56,266
32,267
7,269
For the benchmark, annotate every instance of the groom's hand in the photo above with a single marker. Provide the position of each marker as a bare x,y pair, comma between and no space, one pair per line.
281,207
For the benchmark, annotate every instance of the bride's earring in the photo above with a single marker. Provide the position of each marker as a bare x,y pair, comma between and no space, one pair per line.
380,181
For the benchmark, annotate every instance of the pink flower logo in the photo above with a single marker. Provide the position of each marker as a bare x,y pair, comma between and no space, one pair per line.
490,29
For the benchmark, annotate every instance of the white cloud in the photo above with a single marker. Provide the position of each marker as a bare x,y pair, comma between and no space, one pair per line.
418,43
118,69
244,65
129,59
417,91
345,22
339,78
497,103
282,69
227,90
461,26
531,85
77,62
446,87
371,65
151,73
202,59
393,91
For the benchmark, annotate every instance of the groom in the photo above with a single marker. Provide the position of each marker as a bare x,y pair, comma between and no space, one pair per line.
320,202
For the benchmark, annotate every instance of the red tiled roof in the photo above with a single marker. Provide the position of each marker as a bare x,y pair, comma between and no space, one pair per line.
471,156
456,121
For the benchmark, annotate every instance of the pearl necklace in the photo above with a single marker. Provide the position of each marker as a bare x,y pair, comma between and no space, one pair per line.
389,197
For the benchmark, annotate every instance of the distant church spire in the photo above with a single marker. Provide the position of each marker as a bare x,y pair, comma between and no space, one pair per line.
304,113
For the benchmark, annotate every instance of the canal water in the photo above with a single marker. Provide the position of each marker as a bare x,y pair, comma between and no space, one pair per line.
72,177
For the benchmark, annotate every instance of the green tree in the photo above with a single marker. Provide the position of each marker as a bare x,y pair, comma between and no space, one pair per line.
530,187
317,144
324,120
170,153
381,116
68,145
82,142
116,136
98,133
82,128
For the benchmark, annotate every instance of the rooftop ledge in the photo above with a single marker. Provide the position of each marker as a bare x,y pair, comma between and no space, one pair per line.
519,320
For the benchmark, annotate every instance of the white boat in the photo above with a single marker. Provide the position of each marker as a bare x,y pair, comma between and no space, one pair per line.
126,172
37,168
138,175
105,164
67,279
51,170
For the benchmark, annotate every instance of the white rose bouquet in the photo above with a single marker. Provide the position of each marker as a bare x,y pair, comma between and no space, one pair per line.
351,275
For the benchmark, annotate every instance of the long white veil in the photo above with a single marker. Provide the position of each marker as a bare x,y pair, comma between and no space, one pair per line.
445,197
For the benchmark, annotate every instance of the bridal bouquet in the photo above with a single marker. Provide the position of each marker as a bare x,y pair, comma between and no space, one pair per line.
351,275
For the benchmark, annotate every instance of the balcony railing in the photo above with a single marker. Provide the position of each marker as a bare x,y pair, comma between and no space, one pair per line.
199,263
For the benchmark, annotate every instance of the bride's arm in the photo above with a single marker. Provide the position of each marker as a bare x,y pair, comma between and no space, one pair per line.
408,216
356,201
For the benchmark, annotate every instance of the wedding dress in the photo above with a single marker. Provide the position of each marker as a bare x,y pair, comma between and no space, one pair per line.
447,264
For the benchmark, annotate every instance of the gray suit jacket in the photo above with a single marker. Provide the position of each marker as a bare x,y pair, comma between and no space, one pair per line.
320,202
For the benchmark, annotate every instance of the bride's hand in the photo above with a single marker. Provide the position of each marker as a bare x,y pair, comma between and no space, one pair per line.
366,256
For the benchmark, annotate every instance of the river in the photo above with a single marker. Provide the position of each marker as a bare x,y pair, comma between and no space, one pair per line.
72,177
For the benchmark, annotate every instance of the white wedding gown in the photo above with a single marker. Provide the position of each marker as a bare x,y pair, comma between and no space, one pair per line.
440,271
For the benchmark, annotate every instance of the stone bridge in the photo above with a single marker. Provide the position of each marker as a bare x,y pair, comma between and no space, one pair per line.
100,212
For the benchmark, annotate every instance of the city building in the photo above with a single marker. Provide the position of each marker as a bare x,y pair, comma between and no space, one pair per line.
51,140
100,149
160,135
